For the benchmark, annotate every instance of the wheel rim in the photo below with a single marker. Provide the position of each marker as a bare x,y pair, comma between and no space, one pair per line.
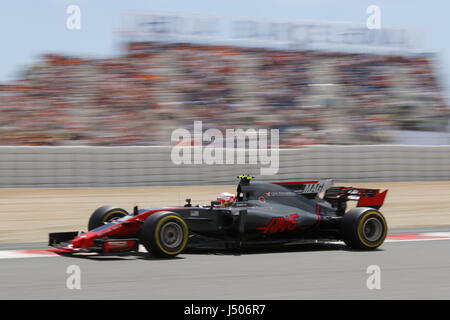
372,229
171,235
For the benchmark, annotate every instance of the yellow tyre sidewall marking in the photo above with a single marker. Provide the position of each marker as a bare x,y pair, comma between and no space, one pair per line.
361,224
183,226
105,219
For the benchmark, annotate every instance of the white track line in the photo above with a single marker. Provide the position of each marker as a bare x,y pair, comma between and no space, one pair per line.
415,240
15,254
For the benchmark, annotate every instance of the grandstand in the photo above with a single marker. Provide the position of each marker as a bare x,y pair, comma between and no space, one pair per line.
138,98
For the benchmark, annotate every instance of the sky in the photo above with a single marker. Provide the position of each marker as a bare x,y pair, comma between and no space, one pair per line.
29,28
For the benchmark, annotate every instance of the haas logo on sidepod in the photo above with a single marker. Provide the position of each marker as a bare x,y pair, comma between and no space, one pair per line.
287,223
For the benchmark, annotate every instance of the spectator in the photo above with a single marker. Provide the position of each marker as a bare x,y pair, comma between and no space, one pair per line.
139,98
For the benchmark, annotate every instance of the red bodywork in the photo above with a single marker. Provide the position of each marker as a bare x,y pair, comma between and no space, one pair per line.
376,200
365,197
128,228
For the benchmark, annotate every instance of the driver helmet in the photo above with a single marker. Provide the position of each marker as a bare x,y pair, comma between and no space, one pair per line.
226,199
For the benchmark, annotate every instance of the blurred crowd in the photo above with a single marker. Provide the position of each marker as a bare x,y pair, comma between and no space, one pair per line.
140,97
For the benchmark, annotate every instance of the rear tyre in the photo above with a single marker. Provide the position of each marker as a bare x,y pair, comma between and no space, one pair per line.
363,228
164,234
104,215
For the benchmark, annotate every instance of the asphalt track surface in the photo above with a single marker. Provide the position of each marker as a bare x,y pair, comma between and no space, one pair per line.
409,270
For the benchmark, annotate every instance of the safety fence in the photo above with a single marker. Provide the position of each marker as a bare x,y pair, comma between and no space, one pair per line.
147,166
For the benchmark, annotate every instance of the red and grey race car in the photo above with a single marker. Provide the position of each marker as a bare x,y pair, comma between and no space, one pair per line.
263,214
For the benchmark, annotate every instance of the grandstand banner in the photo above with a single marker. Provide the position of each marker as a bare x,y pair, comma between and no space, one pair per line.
265,33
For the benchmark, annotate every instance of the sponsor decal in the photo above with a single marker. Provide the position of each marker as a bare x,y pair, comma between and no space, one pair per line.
312,188
266,195
240,204
118,244
282,224
195,213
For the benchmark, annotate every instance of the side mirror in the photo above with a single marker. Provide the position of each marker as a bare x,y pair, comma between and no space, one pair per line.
188,202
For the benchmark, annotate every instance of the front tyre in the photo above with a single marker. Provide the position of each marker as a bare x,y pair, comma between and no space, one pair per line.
104,215
363,228
164,234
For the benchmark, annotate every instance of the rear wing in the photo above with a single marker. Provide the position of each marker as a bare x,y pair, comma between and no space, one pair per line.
337,196
373,198
309,188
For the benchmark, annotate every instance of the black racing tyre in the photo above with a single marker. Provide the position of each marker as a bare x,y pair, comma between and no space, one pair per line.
363,228
164,234
105,215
